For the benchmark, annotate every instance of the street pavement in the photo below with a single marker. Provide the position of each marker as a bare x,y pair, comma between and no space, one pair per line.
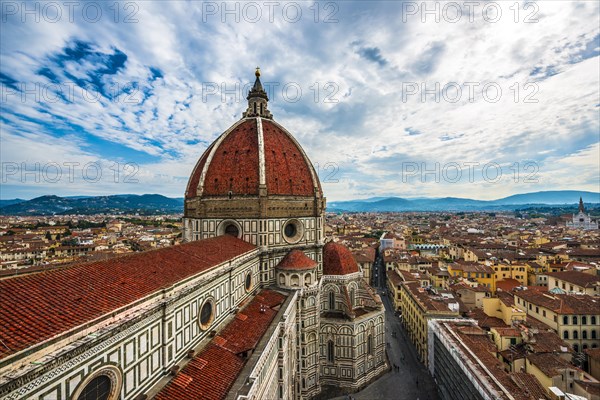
412,381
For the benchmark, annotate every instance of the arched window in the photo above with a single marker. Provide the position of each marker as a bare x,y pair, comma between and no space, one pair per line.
584,334
574,320
295,281
575,335
307,279
331,300
282,279
98,389
565,334
565,320
593,320
330,351
370,345
593,334
352,297
584,320
576,348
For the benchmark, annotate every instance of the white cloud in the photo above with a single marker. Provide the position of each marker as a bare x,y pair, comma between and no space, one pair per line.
370,55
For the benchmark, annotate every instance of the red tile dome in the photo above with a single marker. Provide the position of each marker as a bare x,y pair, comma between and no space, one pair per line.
253,152
256,156
338,260
296,260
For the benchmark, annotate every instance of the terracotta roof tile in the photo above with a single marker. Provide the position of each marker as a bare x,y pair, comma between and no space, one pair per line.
562,303
296,260
214,370
37,307
234,165
287,170
578,278
338,260
550,364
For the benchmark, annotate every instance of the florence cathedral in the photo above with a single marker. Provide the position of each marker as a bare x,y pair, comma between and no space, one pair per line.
253,305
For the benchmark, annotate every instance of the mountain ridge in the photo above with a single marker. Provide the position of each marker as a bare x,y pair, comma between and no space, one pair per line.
146,204
399,204
149,204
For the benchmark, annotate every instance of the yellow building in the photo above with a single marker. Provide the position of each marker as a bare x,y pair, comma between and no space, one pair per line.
502,307
540,240
394,284
473,272
505,337
552,371
418,306
574,282
536,274
574,318
438,276
505,270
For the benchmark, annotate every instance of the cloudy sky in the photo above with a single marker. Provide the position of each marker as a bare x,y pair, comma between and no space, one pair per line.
475,99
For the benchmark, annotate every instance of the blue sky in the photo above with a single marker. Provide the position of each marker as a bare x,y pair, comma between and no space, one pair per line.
387,98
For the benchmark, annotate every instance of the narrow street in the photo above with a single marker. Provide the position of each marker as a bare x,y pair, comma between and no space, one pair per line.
412,381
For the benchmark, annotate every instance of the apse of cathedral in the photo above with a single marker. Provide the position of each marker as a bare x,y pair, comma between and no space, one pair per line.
255,305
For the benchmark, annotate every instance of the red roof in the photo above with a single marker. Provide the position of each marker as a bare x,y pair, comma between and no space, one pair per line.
507,284
235,165
37,307
211,373
338,260
296,260
287,170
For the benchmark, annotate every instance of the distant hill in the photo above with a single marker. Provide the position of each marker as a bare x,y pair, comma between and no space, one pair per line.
398,204
152,204
10,202
146,204
551,197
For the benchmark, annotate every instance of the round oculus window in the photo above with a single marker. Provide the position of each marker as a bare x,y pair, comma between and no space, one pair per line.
103,384
293,231
248,283
290,230
97,389
232,230
206,314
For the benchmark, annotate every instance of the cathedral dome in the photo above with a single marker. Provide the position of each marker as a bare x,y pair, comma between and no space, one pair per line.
254,157
338,260
296,260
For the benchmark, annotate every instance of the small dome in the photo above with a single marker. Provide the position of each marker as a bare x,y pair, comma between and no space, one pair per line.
338,260
296,260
